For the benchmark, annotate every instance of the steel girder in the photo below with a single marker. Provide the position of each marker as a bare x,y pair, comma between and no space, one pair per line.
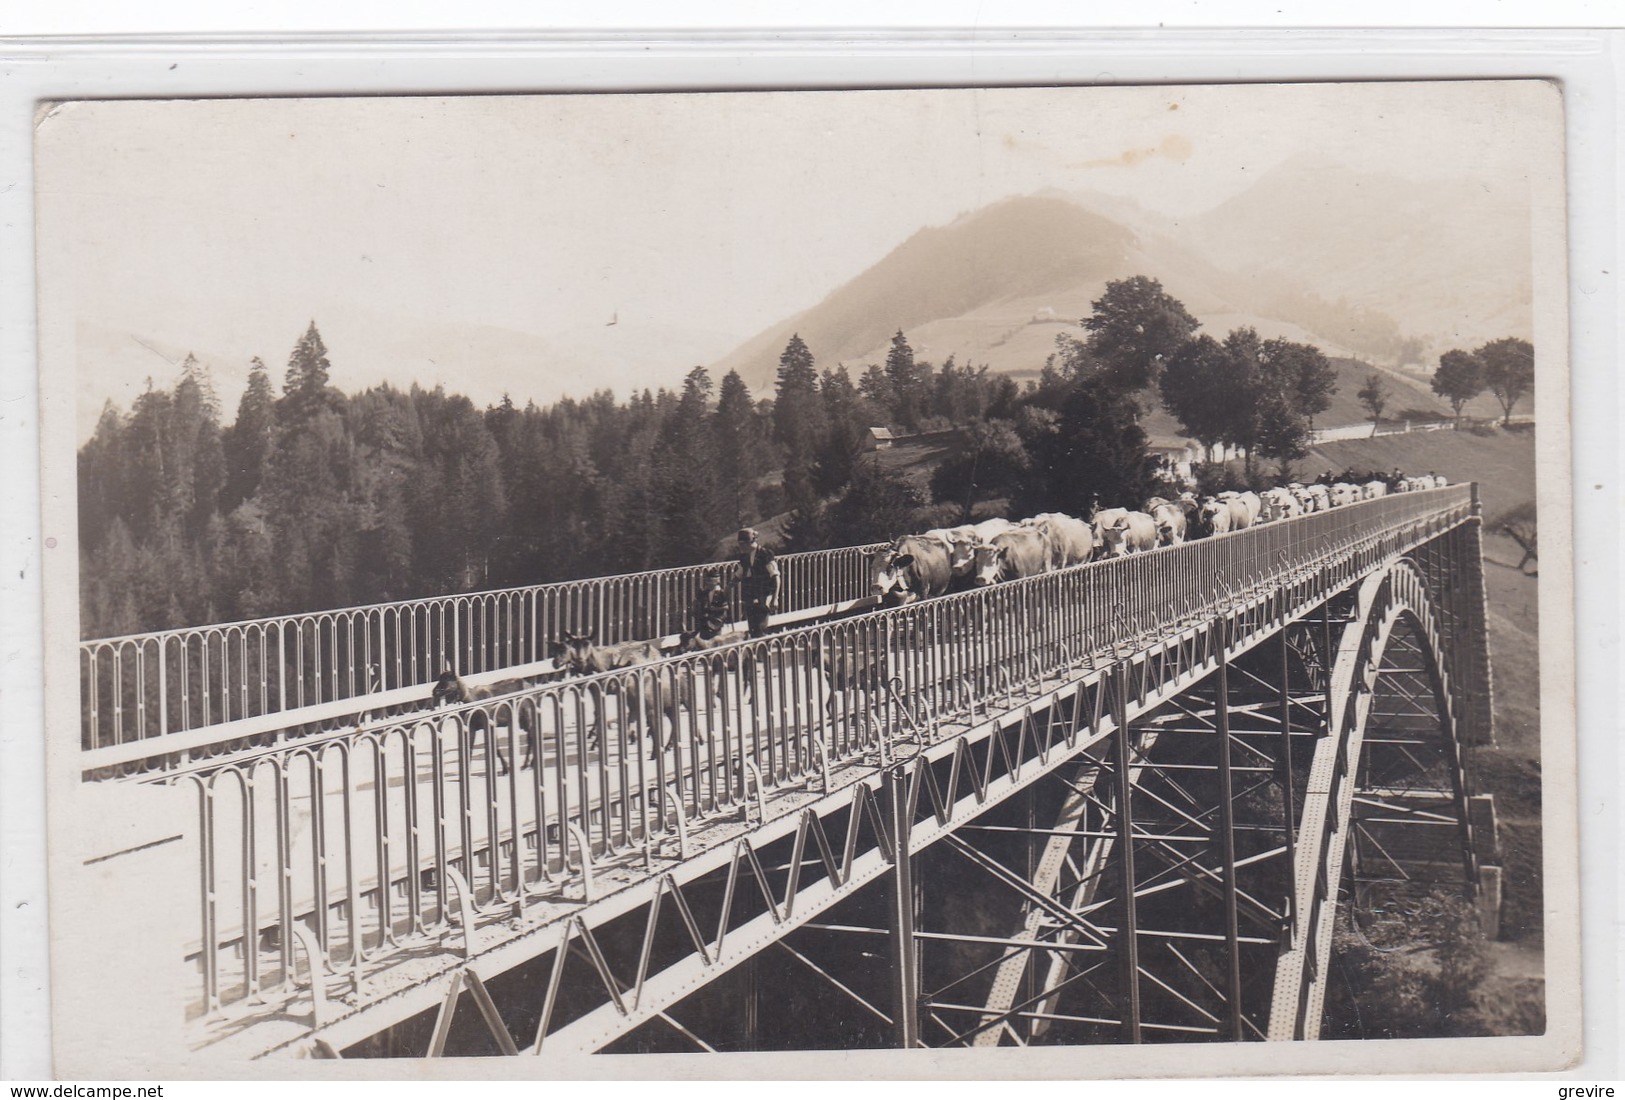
950,781
792,867
1212,787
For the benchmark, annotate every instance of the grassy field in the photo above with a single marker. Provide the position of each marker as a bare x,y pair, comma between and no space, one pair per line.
1502,462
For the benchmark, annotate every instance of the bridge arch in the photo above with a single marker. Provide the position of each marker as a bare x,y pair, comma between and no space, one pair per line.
1394,746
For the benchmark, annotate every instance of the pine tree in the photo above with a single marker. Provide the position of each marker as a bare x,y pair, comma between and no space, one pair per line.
248,443
102,492
903,378
739,449
198,447
797,418
877,390
690,494
149,475
305,384
844,433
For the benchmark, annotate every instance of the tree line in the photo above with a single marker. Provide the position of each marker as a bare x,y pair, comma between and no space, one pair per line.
1505,367
312,498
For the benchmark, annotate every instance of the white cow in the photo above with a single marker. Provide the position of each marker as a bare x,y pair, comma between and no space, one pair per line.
1244,509
961,542
1215,516
1071,541
1102,520
1170,523
1371,490
1130,533
1279,503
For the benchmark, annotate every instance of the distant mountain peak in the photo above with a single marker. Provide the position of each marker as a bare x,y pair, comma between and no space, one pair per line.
1011,249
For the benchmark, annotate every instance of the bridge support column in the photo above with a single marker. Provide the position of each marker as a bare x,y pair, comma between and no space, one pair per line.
1290,816
905,958
1227,827
1128,934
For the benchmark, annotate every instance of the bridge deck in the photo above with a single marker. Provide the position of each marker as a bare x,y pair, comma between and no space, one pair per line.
417,803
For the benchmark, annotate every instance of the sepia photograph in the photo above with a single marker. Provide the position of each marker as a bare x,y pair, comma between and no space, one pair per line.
1022,581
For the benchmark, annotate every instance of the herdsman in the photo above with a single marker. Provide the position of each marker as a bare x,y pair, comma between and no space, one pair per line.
759,580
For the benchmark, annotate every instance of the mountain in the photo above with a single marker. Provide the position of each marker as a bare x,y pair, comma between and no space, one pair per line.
1359,264
997,286
981,272
1443,260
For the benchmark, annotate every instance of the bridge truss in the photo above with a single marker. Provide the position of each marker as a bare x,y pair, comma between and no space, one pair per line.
1111,804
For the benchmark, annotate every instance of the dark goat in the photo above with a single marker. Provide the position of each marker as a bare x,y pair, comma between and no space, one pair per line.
721,664
450,690
850,669
580,657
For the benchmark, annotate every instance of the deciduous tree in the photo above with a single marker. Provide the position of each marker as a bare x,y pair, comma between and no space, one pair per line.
992,464
1303,374
1092,453
1134,327
878,504
1459,379
1374,396
1509,371
1202,390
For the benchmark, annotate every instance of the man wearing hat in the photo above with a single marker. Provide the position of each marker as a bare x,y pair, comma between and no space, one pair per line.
759,579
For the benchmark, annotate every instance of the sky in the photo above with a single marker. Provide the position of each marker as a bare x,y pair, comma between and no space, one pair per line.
414,228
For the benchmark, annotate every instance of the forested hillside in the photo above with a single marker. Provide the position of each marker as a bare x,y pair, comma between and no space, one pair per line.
313,498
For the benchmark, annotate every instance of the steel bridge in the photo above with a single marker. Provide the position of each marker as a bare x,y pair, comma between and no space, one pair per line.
1123,802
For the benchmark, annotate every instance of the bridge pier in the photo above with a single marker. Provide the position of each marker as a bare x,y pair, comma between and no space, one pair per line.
905,951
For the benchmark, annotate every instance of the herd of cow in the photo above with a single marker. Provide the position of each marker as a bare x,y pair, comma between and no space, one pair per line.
935,563
943,560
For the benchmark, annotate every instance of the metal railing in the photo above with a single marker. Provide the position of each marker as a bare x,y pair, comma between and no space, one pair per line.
359,843
149,685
